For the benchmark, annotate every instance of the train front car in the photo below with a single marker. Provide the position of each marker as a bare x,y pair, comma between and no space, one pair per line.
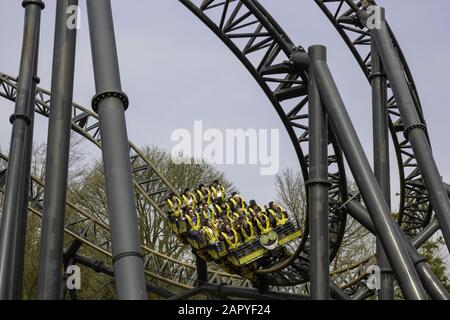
240,238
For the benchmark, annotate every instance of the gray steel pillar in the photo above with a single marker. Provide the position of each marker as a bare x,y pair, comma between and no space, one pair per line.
202,270
57,163
18,251
14,215
415,130
318,187
373,196
110,103
380,120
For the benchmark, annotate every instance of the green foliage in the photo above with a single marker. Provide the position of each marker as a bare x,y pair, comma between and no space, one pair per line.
433,251
86,193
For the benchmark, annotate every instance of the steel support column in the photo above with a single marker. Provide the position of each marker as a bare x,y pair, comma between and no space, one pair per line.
57,163
318,187
380,120
20,150
373,196
110,103
202,270
18,251
415,130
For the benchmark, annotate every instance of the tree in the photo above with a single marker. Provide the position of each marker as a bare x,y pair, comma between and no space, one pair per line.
432,250
357,242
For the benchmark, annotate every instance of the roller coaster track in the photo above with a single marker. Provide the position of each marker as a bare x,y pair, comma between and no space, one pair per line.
266,51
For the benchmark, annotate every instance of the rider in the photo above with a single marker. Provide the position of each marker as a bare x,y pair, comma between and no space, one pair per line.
245,228
217,190
205,211
175,204
194,222
189,199
224,209
263,222
277,214
252,205
209,232
230,236
203,194
236,201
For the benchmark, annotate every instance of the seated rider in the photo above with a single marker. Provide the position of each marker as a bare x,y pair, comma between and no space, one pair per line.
245,228
223,209
240,213
204,211
189,199
203,194
262,222
210,233
175,205
218,191
252,205
230,237
193,222
236,201
277,214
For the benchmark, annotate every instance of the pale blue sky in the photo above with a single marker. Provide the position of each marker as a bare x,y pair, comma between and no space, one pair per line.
176,71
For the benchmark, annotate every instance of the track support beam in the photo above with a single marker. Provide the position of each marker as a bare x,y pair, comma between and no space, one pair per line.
318,187
202,270
57,163
415,129
380,120
110,103
14,217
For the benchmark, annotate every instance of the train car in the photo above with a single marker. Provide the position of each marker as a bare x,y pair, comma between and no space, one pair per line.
217,251
248,256
264,245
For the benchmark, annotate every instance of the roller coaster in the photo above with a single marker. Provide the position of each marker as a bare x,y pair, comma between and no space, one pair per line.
302,92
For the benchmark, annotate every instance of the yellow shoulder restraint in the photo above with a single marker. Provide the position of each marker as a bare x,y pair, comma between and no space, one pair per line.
251,236
231,245
263,229
280,221
195,227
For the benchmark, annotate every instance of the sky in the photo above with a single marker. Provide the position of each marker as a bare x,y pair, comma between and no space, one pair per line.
176,71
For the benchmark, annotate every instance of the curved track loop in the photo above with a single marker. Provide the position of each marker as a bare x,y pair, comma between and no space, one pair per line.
415,210
94,231
262,46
